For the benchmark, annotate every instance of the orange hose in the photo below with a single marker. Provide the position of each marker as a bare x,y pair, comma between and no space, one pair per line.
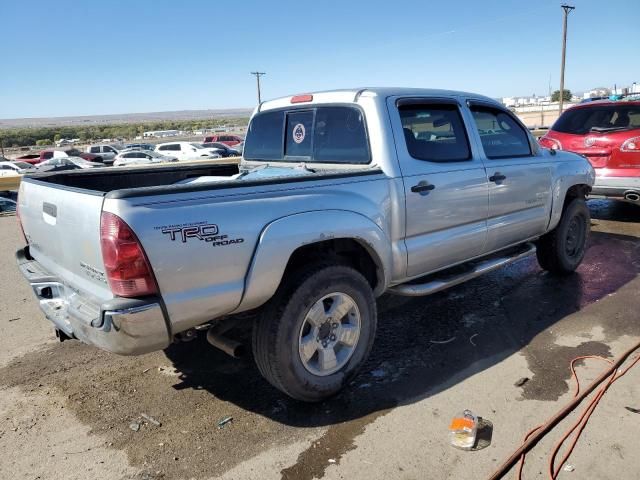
608,377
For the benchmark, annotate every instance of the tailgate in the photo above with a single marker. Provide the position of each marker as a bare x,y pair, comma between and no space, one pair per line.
62,226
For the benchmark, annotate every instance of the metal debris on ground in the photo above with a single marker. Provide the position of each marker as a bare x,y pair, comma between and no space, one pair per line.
135,426
14,319
520,382
224,421
442,342
332,460
151,420
471,339
146,370
569,468
633,410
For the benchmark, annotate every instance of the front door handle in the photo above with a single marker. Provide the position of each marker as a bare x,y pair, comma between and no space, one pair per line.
422,188
497,177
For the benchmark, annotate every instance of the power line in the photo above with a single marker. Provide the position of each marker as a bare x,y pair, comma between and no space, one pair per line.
258,75
567,10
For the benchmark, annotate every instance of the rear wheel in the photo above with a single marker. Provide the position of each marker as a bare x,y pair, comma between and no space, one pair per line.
317,331
561,251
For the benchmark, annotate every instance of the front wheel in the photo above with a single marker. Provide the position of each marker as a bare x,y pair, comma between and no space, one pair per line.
315,334
561,251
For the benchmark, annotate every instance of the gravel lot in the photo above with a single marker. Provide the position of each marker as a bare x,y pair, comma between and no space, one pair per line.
69,411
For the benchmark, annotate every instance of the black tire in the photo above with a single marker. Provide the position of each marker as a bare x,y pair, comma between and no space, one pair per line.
561,251
277,331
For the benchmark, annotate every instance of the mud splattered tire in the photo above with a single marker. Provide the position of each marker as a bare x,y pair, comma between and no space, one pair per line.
311,339
561,251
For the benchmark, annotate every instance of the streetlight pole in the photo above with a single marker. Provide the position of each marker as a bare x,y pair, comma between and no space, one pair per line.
258,75
567,9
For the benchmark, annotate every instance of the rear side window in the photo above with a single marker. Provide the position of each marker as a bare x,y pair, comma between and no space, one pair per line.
501,135
434,132
94,150
331,134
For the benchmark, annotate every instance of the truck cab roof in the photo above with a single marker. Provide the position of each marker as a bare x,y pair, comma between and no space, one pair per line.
351,95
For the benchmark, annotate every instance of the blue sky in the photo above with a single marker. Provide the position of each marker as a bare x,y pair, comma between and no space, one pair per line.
114,56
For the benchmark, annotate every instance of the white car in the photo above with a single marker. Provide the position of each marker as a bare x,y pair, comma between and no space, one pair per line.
66,163
187,151
141,157
10,169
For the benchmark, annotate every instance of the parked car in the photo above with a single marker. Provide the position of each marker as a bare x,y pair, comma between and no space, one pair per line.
140,157
229,140
7,205
10,174
608,134
106,152
186,151
37,158
8,167
140,146
57,164
336,202
222,149
30,158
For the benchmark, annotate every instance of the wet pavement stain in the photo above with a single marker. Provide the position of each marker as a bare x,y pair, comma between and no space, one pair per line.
329,449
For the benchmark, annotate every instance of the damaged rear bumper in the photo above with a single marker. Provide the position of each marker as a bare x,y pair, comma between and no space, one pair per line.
126,326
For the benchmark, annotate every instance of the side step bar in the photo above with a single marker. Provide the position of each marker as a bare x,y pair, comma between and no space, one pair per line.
443,281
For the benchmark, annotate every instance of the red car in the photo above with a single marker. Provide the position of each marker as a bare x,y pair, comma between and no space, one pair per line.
607,133
229,140
36,158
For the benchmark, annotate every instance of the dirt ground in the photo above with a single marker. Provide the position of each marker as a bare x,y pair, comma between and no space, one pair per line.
70,411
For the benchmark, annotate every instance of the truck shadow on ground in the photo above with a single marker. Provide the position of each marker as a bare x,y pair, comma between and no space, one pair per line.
425,345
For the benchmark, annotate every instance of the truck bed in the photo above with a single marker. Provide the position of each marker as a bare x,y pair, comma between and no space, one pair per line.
104,180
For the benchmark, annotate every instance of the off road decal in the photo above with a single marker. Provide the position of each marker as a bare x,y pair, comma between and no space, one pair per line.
206,232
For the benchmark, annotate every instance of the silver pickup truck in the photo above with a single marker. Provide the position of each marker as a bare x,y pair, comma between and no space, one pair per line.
340,197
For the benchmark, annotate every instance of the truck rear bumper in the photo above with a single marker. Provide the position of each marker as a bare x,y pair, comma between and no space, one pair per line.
122,325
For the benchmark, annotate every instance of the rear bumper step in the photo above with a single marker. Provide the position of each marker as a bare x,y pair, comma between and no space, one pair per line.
440,281
126,326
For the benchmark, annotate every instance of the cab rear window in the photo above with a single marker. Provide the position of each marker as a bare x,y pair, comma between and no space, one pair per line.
332,134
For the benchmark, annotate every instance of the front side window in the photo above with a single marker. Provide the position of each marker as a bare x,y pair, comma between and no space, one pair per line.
501,135
434,132
323,134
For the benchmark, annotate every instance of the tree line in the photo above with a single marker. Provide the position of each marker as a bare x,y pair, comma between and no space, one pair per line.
23,137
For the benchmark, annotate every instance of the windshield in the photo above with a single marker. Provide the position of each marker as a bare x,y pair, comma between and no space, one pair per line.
80,162
324,134
22,165
602,118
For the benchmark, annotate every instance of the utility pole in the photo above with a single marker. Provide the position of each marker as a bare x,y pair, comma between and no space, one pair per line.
567,9
258,75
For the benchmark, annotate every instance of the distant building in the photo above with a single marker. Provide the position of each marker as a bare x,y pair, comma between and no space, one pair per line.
161,133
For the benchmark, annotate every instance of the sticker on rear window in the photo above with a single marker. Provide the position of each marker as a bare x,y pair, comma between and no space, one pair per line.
298,133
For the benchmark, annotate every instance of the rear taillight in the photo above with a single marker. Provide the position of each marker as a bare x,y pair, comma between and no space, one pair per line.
126,265
548,142
631,145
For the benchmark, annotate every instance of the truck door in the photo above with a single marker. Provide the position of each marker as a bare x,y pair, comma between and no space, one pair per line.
445,183
519,178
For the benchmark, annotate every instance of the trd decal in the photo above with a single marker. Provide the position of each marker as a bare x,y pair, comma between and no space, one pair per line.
206,232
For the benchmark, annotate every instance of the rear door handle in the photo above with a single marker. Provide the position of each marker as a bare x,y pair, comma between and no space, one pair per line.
422,188
497,177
